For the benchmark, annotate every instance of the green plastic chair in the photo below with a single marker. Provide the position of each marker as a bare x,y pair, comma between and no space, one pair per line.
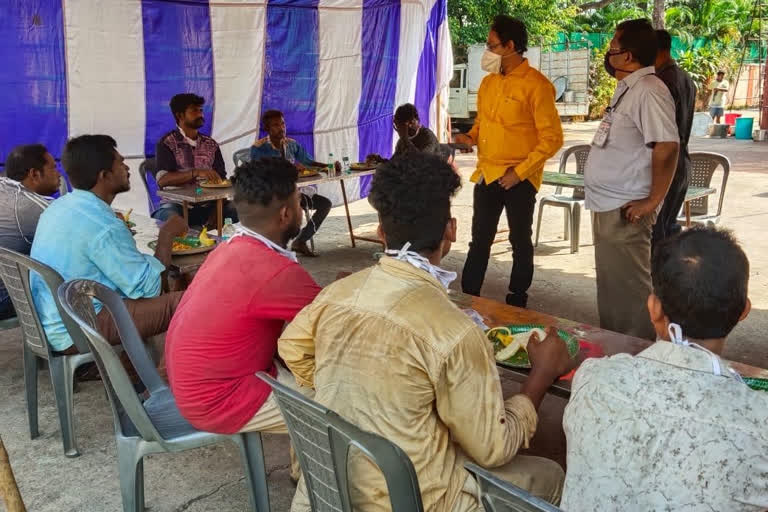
322,439
154,425
15,269
241,156
496,495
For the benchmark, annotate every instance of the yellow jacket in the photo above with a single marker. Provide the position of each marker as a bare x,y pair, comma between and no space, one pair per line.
517,124
388,350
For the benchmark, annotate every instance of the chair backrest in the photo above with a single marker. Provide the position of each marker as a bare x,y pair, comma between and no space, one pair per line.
76,298
703,167
147,171
322,440
15,272
581,152
496,495
241,156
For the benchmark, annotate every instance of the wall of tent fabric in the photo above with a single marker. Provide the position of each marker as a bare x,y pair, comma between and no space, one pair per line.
337,68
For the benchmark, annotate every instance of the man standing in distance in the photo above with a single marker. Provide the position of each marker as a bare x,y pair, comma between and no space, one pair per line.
516,130
631,164
719,97
683,91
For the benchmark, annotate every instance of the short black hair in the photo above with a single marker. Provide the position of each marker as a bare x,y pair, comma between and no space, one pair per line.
639,37
269,115
261,181
721,72
511,29
701,278
181,102
412,195
22,159
405,113
84,157
664,40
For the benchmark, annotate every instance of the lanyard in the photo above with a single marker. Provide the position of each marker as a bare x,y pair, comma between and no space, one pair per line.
613,107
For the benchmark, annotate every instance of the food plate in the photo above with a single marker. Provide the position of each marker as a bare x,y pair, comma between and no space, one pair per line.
362,166
222,184
189,249
309,172
520,359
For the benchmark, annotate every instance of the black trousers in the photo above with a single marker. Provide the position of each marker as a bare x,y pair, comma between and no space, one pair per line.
322,206
489,201
666,223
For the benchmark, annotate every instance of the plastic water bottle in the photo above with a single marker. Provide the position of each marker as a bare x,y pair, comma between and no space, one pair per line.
331,165
345,163
228,231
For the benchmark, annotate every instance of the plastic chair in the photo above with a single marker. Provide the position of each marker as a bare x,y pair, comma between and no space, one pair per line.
147,171
322,439
9,323
496,495
573,204
241,156
155,425
15,270
703,167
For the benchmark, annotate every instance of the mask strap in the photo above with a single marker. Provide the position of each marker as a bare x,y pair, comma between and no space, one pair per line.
676,337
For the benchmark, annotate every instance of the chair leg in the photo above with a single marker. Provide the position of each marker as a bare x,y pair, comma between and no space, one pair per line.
252,452
131,473
62,378
566,225
575,227
538,225
30,389
309,219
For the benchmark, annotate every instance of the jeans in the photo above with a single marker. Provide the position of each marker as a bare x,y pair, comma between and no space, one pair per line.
198,215
489,201
666,223
322,206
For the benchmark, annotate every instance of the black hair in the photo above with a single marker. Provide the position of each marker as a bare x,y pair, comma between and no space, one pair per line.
405,113
261,181
22,159
721,72
639,38
84,157
269,115
412,195
511,29
701,278
664,40
181,102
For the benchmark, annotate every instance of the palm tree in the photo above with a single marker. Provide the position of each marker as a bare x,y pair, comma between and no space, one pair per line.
718,21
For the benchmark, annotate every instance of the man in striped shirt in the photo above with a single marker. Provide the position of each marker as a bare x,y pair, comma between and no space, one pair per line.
30,176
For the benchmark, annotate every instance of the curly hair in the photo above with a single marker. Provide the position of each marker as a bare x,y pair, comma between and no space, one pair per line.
701,278
261,181
413,197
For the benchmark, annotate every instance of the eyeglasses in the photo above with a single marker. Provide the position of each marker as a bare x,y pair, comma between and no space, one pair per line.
492,46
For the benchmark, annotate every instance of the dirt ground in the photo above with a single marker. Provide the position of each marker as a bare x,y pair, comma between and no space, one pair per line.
212,478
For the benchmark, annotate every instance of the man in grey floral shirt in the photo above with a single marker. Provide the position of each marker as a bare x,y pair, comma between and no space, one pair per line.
673,428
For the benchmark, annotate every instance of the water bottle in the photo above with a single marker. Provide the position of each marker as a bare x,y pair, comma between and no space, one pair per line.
331,166
228,231
345,163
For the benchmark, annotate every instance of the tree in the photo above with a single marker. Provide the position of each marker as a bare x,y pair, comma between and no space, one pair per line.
658,14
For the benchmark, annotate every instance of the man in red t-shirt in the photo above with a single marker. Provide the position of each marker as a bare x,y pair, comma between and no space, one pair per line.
227,324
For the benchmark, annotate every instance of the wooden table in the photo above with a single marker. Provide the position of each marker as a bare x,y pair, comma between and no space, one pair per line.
496,314
186,195
559,179
147,230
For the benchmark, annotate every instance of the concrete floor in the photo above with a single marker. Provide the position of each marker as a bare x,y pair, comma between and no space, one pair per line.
212,479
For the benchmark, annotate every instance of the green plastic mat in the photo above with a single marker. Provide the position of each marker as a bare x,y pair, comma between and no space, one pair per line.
757,384
520,359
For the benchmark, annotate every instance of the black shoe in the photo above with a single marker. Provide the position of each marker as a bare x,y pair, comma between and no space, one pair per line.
519,300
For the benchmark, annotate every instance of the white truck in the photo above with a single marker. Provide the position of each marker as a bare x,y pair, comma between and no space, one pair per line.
568,70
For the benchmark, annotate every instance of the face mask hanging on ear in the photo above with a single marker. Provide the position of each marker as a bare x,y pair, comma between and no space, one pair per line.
490,62
676,337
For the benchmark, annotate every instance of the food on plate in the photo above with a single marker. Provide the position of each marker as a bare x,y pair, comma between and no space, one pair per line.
362,166
218,183
205,240
305,172
513,343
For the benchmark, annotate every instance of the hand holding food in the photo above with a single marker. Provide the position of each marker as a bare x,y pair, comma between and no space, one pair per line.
551,355
208,175
173,227
515,342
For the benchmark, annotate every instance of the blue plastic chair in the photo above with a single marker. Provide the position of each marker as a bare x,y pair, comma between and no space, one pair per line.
147,171
497,495
322,439
156,424
14,270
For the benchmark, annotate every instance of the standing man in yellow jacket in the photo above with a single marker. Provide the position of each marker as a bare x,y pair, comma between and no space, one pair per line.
516,130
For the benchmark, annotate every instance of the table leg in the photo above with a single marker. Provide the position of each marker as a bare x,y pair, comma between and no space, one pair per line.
9,491
687,214
219,215
346,209
185,211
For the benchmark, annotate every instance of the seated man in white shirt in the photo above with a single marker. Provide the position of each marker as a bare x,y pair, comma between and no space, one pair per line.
673,428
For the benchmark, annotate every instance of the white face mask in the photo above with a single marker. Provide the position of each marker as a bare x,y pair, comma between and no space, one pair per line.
491,62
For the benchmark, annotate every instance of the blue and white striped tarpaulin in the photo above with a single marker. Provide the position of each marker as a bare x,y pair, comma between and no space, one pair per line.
336,68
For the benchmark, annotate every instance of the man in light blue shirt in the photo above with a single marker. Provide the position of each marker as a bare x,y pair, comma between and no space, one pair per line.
80,237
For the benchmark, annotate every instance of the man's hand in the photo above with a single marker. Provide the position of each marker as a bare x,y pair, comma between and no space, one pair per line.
299,166
634,211
549,360
463,138
173,227
374,158
402,130
207,174
510,179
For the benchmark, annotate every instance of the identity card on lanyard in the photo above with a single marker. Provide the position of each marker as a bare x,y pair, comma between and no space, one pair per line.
601,136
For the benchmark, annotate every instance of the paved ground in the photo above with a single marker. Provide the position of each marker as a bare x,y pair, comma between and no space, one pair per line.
211,478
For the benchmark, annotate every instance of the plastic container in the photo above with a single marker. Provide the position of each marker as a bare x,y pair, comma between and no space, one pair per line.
730,119
229,230
743,129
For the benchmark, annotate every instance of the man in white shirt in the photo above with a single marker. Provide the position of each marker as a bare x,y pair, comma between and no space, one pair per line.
719,97
630,167
673,428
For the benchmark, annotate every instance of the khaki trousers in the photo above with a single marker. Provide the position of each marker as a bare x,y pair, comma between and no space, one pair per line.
623,268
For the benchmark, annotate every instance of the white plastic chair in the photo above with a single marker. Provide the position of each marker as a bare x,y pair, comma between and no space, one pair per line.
703,167
496,495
